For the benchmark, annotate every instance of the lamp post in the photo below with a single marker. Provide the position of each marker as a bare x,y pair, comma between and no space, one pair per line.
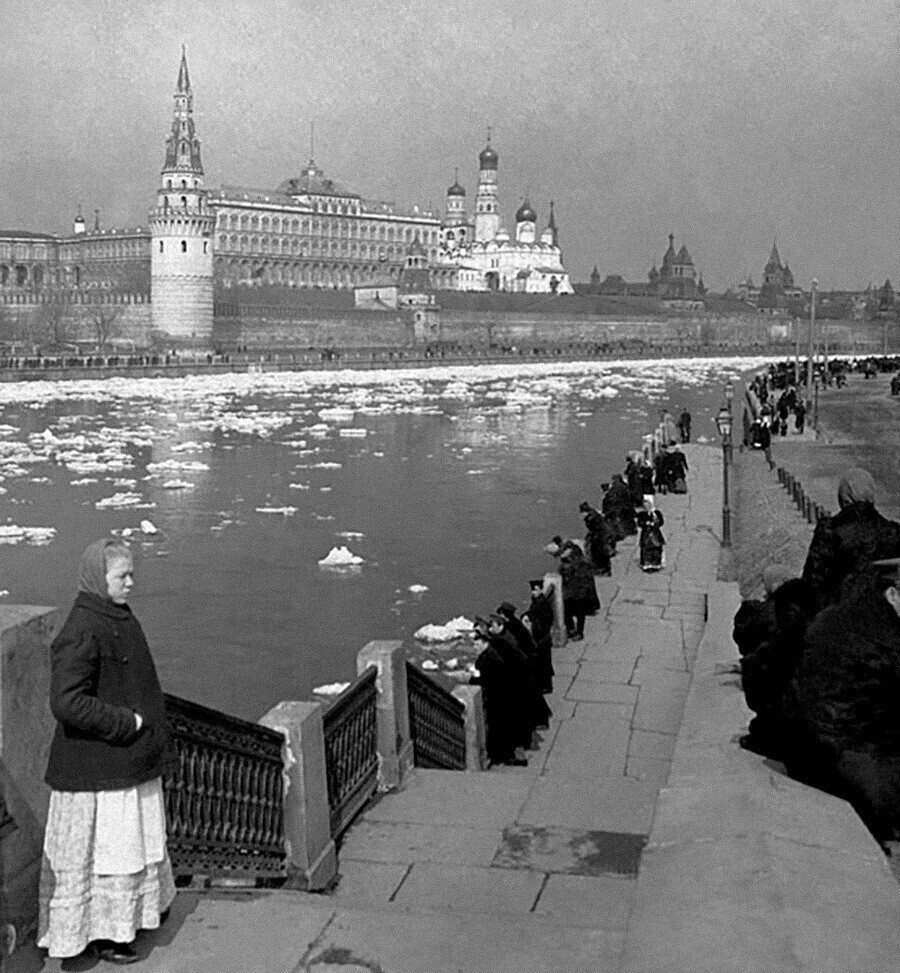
812,332
724,421
815,421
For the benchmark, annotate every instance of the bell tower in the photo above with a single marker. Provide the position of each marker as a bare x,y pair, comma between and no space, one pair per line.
181,228
487,214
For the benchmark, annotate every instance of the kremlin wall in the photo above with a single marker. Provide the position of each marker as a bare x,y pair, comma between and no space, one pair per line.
313,263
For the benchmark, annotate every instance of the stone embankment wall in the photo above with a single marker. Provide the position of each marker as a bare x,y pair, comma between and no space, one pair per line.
24,319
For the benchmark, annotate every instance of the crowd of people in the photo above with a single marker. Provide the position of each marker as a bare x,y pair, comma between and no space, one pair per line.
820,660
514,663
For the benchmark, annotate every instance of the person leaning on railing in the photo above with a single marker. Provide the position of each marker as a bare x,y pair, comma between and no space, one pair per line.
106,871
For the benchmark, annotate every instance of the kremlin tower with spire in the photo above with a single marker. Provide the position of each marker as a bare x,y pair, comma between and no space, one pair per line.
181,227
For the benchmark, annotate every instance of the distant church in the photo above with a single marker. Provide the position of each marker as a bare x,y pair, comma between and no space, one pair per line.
482,252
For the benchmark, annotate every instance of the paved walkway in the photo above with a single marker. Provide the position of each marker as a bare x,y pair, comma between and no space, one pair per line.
517,868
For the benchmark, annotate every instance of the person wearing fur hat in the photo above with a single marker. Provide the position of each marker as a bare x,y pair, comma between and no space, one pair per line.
539,617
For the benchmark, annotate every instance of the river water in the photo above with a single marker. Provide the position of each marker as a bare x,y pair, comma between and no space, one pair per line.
450,480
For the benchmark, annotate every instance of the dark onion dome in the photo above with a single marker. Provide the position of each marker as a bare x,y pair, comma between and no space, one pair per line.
456,190
488,158
525,214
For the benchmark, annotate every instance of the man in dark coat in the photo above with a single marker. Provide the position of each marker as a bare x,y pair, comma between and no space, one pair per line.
599,542
845,693
633,466
845,545
676,470
540,617
534,711
502,712
618,507
684,426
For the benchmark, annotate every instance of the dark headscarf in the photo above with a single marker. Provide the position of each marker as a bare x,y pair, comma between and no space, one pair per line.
856,487
94,561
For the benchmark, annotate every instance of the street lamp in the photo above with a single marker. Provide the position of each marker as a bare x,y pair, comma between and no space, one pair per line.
724,422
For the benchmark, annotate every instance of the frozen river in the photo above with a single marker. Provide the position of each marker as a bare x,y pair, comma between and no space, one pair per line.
447,481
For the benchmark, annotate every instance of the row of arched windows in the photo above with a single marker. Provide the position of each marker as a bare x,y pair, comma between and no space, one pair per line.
360,230
305,248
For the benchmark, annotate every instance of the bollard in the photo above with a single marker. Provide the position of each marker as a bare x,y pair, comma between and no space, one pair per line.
553,587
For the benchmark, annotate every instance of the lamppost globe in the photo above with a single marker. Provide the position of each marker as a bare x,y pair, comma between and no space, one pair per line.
723,422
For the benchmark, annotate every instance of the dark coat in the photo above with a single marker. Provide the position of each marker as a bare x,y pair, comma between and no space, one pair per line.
502,716
843,548
578,588
848,679
618,507
540,614
635,486
651,542
754,624
102,673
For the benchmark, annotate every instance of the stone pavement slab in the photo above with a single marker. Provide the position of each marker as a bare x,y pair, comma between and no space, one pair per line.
449,797
598,902
595,691
611,804
468,888
368,882
376,942
403,842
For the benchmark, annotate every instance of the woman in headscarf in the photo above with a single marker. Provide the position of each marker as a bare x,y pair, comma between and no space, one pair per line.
844,546
578,590
651,543
106,871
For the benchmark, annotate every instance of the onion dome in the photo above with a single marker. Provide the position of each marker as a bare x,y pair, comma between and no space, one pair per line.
456,189
525,214
488,158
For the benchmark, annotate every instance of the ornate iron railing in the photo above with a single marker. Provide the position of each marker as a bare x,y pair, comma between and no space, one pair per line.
436,723
351,749
224,798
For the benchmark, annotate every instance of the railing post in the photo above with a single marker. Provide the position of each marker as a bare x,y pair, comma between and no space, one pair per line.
554,583
476,737
310,849
395,748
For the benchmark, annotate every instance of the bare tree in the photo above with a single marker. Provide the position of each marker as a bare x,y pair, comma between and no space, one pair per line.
55,324
104,321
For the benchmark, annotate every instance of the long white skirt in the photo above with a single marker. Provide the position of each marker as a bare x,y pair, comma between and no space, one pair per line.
105,872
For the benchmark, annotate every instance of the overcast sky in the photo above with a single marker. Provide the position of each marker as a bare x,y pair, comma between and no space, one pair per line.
725,123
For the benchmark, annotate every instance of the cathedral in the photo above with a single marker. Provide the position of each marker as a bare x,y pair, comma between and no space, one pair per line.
309,232
481,251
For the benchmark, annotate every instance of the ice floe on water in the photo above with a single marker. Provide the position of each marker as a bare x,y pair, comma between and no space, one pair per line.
178,485
331,688
122,500
417,589
36,536
284,511
340,557
459,627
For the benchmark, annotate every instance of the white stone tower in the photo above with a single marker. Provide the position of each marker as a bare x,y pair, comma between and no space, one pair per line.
181,226
487,214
